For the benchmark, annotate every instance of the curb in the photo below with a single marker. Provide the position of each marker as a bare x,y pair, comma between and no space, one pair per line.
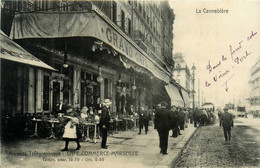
172,164
169,161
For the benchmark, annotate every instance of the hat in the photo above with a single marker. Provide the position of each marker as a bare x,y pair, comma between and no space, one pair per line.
164,104
69,108
84,109
107,102
71,114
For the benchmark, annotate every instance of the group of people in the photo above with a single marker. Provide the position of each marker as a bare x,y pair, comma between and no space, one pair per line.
165,119
71,118
203,116
175,119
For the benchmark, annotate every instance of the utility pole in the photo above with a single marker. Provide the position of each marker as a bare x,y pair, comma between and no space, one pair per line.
199,92
202,98
193,87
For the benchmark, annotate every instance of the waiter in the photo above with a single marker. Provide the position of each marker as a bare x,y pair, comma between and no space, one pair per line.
104,122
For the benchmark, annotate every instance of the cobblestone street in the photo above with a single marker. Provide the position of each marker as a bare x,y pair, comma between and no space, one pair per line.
208,148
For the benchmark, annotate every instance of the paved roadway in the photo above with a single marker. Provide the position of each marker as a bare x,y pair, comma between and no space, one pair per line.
208,148
144,152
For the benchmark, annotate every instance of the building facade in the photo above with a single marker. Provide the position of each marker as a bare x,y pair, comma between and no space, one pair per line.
254,84
102,49
182,75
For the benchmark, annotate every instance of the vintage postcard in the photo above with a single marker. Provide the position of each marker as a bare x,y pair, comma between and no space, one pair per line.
130,83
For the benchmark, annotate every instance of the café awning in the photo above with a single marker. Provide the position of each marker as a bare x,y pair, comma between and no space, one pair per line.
174,94
84,24
13,52
186,98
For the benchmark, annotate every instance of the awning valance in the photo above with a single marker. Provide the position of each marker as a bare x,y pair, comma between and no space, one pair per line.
79,24
174,94
186,98
13,52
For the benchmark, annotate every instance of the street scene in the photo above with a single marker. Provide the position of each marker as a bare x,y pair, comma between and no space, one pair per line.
207,148
128,83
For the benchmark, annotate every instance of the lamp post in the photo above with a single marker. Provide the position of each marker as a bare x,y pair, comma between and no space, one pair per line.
193,88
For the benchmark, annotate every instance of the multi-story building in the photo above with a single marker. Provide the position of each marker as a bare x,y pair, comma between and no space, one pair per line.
254,84
182,75
101,49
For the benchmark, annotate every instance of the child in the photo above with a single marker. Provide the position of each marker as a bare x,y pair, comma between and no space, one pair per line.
70,129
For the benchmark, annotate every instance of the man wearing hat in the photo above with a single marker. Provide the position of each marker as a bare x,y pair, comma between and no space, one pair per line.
162,122
227,123
104,122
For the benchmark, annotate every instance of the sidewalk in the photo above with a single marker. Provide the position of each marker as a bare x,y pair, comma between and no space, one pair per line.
126,149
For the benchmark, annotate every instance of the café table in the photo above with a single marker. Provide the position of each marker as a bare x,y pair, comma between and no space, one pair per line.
52,121
35,129
88,124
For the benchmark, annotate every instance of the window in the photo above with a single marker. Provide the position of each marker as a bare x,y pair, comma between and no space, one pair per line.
123,20
129,27
106,88
114,12
88,76
140,8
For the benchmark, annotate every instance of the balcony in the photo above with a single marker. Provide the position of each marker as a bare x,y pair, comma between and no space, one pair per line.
35,6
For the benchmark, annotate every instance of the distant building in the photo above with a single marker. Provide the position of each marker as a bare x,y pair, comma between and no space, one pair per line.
254,84
182,75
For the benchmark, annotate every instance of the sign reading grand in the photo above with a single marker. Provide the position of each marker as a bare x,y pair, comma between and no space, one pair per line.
60,25
119,43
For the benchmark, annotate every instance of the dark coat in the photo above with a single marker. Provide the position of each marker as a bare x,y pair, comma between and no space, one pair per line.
162,119
99,106
227,120
105,117
144,116
174,119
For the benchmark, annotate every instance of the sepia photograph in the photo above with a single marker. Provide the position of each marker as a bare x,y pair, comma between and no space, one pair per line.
130,83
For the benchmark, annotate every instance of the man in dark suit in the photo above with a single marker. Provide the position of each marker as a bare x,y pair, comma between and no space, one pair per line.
175,122
162,122
227,123
144,117
104,122
196,116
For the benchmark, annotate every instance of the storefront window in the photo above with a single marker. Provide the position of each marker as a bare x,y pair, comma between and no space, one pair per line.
66,89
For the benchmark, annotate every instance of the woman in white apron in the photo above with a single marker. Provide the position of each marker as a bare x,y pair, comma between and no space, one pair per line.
70,133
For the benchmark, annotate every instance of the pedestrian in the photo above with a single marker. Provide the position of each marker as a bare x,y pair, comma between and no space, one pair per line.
70,130
181,115
174,122
144,117
104,122
227,123
162,122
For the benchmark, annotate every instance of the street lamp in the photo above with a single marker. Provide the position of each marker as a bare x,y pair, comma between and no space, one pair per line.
99,78
193,82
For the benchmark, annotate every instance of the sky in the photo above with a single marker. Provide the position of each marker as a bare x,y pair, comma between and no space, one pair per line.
214,41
